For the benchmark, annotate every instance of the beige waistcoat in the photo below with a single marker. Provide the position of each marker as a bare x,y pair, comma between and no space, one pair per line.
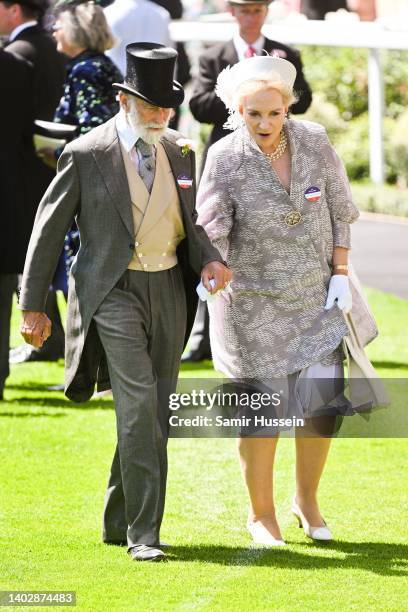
157,216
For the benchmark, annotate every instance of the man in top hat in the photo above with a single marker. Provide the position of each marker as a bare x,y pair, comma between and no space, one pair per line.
20,21
130,185
207,107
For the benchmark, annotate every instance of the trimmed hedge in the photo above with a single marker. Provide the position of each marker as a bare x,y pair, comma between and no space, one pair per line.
384,199
339,82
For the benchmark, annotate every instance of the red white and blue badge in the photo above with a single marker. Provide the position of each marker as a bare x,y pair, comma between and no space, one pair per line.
313,194
184,181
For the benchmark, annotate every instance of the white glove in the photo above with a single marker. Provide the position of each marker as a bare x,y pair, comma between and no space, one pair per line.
339,290
203,294
206,296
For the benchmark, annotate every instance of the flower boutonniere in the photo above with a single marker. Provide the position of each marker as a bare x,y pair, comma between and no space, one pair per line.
186,146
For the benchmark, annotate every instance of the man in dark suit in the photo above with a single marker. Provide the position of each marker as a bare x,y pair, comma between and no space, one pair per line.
20,21
132,286
207,107
250,16
16,149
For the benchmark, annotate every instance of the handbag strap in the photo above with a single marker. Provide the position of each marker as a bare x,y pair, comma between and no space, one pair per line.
355,337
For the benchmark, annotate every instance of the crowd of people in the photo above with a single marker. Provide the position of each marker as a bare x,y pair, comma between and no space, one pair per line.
72,84
274,214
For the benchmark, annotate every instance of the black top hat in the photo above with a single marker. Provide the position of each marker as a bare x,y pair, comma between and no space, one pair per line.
149,75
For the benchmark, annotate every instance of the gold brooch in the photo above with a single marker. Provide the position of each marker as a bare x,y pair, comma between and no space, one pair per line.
293,218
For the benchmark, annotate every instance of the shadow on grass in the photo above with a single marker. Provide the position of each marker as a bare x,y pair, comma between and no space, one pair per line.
390,365
54,402
29,387
376,557
187,366
17,415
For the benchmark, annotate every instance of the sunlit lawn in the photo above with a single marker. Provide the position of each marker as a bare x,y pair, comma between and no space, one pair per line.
55,457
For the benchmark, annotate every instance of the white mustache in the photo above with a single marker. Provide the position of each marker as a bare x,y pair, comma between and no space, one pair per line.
155,126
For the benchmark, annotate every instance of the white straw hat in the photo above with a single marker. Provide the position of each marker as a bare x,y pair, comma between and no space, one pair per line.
253,68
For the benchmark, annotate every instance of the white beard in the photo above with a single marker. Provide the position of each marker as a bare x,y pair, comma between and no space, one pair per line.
143,130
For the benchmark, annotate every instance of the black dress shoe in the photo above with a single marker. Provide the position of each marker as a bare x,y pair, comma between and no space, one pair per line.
146,553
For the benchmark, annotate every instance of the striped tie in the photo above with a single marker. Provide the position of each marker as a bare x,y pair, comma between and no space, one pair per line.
146,164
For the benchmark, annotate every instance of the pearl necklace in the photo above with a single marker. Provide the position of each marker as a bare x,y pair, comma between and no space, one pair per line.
280,149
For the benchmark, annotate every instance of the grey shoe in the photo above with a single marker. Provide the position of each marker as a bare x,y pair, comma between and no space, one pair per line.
146,553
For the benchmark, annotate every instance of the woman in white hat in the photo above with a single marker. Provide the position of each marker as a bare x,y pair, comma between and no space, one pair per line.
274,198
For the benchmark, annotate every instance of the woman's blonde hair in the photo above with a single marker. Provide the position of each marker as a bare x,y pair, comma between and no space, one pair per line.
247,88
233,94
85,26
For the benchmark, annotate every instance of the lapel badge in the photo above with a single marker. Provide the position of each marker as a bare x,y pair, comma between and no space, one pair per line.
184,181
313,194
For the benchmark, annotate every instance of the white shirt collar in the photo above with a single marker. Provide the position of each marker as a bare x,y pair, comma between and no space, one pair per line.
241,46
20,28
127,135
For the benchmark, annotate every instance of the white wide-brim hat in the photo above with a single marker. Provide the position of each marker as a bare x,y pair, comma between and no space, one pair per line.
252,69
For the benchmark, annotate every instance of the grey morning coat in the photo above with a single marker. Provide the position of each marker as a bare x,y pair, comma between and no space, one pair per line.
91,186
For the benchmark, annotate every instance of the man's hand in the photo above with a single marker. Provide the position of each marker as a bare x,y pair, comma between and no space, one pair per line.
35,328
220,273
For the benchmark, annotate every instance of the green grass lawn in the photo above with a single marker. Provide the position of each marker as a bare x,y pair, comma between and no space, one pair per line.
55,458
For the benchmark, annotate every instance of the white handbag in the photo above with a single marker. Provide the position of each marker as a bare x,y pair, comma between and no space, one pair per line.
366,387
363,318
